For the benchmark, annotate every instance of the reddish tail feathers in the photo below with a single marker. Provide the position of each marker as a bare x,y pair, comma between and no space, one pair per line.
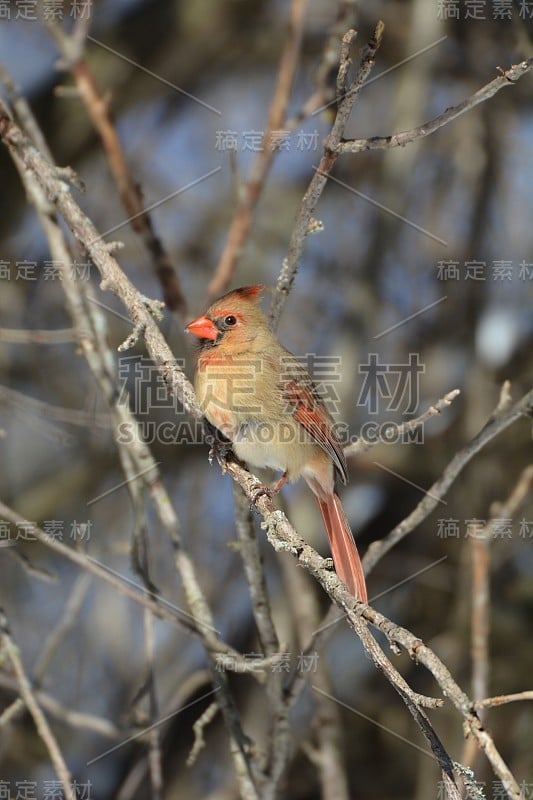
343,547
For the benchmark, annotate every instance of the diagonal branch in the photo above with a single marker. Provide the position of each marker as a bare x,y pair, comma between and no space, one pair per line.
304,219
504,415
28,696
283,537
130,193
506,78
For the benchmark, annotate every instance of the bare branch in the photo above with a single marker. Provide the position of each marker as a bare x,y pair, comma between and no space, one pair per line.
363,445
28,695
98,107
64,625
18,336
304,217
199,726
325,749
498,422
283,537
502,699
154,734
251,190
75,719
480,539
506,78
253,568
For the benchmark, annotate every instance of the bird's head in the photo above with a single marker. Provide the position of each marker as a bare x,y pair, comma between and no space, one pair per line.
234,320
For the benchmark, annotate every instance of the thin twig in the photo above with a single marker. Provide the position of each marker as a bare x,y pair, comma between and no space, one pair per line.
250,191
131,785
255,574
62,628
304,218
480,625
324,94
66,716
24,113
325,751
198,727
39,408
502,699
19,336
506,78
283,537
275,759
41,723
98,108
154,734
395,431
502,418
480,538
12,711
480,599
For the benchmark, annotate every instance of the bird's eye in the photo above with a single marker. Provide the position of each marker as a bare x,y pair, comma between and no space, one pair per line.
230,320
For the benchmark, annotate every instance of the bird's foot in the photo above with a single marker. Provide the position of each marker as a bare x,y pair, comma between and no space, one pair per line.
220,451
219,445
259,489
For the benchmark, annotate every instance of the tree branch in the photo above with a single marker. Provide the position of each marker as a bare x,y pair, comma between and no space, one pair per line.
506,78
283,537
28,695
504,415
304,219
363,445
130,193
250,191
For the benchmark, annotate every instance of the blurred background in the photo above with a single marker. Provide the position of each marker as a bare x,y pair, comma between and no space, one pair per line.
419,283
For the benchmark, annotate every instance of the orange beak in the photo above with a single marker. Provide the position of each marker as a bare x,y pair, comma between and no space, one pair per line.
203,328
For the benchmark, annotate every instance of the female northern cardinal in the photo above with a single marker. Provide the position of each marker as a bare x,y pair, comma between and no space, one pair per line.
259,396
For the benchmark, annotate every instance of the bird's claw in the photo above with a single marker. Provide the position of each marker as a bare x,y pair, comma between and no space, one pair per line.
219,445
220,451
258,489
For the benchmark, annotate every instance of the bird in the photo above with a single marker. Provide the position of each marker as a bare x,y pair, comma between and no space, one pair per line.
263,400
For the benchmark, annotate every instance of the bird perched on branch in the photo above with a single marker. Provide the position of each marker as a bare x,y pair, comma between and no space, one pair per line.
263,400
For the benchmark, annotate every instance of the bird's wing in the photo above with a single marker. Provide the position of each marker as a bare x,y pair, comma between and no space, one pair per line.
308,409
